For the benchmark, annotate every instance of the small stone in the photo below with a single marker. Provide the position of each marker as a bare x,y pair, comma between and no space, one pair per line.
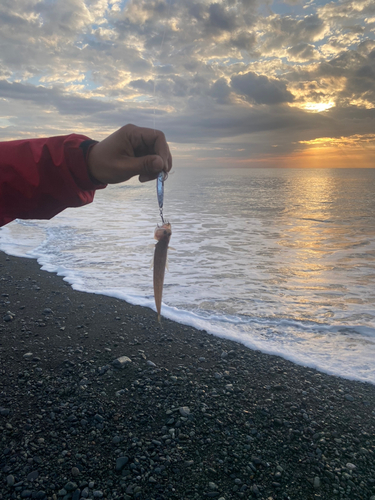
184,411
70,486
91,485
121,462
26,494
150,363
98,494
33,475
255,490
75,471
28,355
85,492
121,362
10,480
316,482
212,486
76,494
348,397
350,466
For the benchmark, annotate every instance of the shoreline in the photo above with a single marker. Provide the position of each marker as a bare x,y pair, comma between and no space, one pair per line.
190,415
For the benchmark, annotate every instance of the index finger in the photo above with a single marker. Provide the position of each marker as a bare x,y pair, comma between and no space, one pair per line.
154,142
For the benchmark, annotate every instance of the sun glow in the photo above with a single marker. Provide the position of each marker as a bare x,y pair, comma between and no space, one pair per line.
318,107
353,141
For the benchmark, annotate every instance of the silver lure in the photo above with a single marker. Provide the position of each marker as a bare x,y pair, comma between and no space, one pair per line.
160,191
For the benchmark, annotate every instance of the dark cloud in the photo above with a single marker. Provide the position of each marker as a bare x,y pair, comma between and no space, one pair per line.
287,32
366,72
56,97
221,18
65,17
196,10
143,86
303,52
261,89
244,40
220,91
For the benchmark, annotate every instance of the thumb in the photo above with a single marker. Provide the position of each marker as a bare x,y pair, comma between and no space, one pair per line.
147,167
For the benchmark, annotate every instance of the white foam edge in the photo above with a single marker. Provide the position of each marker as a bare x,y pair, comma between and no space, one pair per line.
189,318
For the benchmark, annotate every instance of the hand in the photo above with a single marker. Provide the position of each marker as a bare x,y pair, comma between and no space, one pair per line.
130,151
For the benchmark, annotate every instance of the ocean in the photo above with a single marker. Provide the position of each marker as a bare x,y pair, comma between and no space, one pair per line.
281,260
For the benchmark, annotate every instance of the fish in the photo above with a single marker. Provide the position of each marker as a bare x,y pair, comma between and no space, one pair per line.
162,234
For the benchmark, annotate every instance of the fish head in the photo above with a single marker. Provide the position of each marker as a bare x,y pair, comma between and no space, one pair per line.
163,232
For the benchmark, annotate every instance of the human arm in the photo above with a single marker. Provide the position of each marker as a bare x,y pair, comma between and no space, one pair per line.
41,177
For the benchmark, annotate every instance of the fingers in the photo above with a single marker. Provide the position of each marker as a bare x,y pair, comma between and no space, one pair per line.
146,141
130,151
147,167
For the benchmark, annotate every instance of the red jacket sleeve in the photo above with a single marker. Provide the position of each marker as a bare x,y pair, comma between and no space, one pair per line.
41,177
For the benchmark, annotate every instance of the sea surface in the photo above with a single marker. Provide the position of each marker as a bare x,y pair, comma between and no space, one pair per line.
281,260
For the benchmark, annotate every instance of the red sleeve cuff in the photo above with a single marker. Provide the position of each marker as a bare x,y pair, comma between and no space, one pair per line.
76,157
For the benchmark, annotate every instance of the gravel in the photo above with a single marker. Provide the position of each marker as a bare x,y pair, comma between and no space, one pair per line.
231,424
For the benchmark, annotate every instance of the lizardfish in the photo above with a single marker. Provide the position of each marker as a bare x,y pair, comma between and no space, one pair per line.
162,235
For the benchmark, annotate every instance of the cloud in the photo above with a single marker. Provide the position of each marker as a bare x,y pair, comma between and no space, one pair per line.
284,32
233,71
220,19
261,89
303,52
56,97
244,40
220,91
143,85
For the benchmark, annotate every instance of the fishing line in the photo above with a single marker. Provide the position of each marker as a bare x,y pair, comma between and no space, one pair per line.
163,175
161,46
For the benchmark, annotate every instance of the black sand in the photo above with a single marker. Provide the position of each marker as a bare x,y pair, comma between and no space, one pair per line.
74,426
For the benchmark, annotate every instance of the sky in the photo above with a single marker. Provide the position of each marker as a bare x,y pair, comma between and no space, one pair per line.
243,83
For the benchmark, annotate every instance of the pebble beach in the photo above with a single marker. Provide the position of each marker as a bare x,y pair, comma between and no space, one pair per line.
99,400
